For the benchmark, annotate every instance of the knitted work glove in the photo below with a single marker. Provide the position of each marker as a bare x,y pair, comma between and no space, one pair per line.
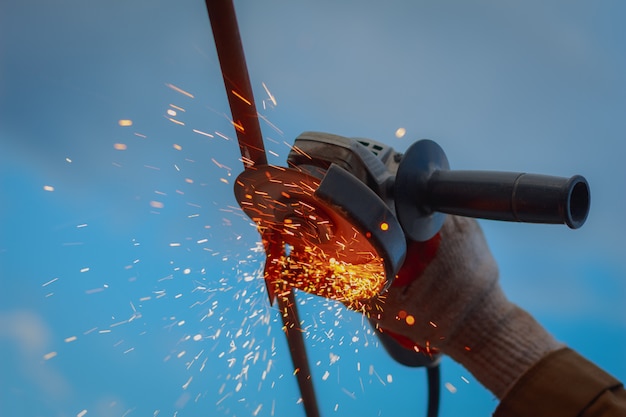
447,298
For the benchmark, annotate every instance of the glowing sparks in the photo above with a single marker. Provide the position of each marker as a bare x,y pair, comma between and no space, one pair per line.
200,132
400,132
220,165
48,188
179,90
240,97
49,356
314,271
120,146
450,387
125,122
156,204
270,95
221,135
177,147
238,126
384,226
178,122
410,320
49,282
270,124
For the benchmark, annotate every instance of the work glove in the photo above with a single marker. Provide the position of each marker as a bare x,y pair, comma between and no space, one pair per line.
447,299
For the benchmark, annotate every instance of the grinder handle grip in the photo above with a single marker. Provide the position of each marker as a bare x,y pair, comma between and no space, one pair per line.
509,196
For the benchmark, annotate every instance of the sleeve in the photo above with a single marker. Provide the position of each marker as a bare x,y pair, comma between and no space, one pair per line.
564,384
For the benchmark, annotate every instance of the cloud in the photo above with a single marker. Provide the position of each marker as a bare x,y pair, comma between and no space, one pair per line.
31,338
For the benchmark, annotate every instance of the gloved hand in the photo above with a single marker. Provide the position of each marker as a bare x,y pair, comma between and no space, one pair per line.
447,298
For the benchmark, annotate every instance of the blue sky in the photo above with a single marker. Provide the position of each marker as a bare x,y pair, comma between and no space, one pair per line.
132,288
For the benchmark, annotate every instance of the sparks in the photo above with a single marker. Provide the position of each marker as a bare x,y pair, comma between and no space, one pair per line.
270,124
221,135
202,133
313,271
220,165
270,95
450,387
240,97
179,90
178,122
238,126
49,282
49,355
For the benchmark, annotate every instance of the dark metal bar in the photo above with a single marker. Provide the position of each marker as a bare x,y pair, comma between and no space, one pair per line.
291,323
246,123
237,81
274,248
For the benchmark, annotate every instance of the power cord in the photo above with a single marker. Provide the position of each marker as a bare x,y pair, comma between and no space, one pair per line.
433,375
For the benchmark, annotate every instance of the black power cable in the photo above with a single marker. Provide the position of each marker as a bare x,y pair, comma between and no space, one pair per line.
433,376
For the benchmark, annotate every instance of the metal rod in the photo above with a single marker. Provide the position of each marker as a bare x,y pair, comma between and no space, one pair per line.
295,340
246,123
237,81
274,247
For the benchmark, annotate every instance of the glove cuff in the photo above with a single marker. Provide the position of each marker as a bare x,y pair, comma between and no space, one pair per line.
498,342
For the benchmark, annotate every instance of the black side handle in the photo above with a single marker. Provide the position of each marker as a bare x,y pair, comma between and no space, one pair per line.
425,189
509,196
